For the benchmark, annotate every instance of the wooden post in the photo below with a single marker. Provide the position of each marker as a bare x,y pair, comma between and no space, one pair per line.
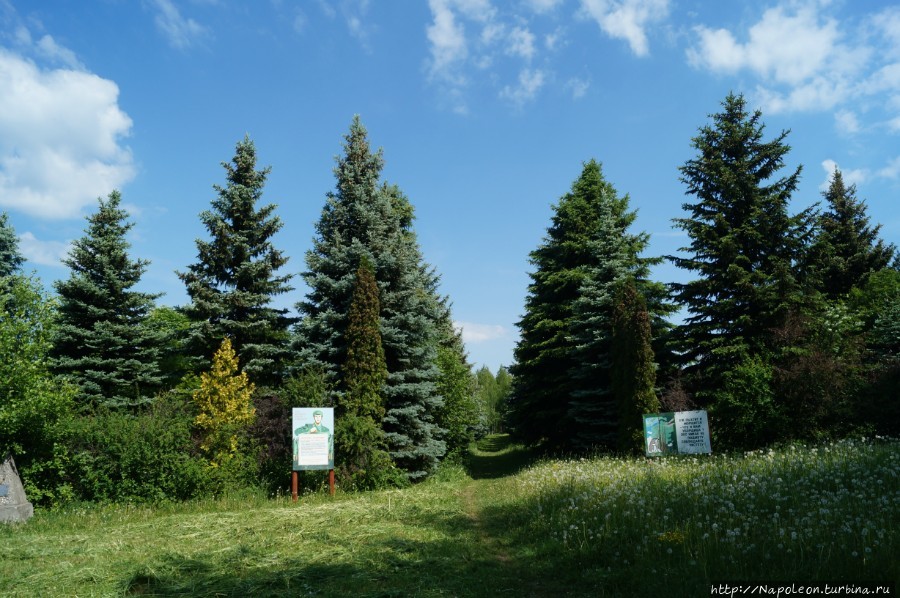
331,481
295,482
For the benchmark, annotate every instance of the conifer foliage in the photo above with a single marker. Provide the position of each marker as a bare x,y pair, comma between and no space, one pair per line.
366,219
365,371
561,390
744,250
847,249
10,258
224,402
235,278
633,371
102,341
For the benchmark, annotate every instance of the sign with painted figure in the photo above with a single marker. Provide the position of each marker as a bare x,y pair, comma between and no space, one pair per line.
676,433
313,438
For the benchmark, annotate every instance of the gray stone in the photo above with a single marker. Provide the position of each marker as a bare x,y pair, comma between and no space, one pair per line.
14,505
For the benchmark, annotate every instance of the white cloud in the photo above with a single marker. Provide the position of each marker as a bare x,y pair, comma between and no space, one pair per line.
448,41
789,48
578,87
627,19
60,133
846,121
181,32
805,60
529,83
471,42
479,333
851,177
354,13
521,43
45,253
543,6
892,170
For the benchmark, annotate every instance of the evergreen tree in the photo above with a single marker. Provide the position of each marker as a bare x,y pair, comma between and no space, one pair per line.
847,250
225,407
102,341
365,219
365,371
10,258
561,376
360,412
744,249
633,370
235,279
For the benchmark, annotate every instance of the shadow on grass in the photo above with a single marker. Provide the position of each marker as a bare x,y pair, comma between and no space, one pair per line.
496,456
385,568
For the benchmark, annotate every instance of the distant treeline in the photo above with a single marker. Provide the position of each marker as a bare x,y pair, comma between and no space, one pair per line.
791,332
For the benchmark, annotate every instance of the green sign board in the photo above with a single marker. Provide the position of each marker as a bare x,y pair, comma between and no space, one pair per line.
313,438
676,433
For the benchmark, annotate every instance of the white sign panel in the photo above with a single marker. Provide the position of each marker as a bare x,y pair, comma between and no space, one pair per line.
692,429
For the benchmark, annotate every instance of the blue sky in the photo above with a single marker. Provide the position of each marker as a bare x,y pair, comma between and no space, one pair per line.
485,111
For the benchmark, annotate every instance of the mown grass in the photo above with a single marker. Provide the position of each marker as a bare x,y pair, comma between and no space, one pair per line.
502,526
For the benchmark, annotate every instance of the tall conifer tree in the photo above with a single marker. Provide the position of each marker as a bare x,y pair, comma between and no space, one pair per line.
102,341
235,279
561,384
744,248
847,249
365,219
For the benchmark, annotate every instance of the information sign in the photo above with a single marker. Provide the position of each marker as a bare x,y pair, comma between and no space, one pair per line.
313,438
676,433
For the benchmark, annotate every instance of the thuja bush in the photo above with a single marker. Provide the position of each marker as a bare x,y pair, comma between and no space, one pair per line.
111,456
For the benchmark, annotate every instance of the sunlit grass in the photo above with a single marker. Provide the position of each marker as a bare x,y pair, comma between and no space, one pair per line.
816,513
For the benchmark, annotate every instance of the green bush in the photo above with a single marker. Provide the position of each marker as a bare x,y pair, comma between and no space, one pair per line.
111,456
745,414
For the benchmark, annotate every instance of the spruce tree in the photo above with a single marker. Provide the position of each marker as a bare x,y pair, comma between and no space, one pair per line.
10,259
235,279
561,389
102,342
744,249
361,219
847,249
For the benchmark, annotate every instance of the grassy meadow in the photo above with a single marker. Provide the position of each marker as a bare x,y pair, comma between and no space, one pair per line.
502,525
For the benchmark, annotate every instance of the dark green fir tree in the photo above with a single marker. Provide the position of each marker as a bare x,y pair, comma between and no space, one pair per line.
236,278
847,248
102,342
744,251
561,391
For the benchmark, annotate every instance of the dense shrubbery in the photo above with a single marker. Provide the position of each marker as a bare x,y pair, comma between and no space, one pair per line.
110,456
